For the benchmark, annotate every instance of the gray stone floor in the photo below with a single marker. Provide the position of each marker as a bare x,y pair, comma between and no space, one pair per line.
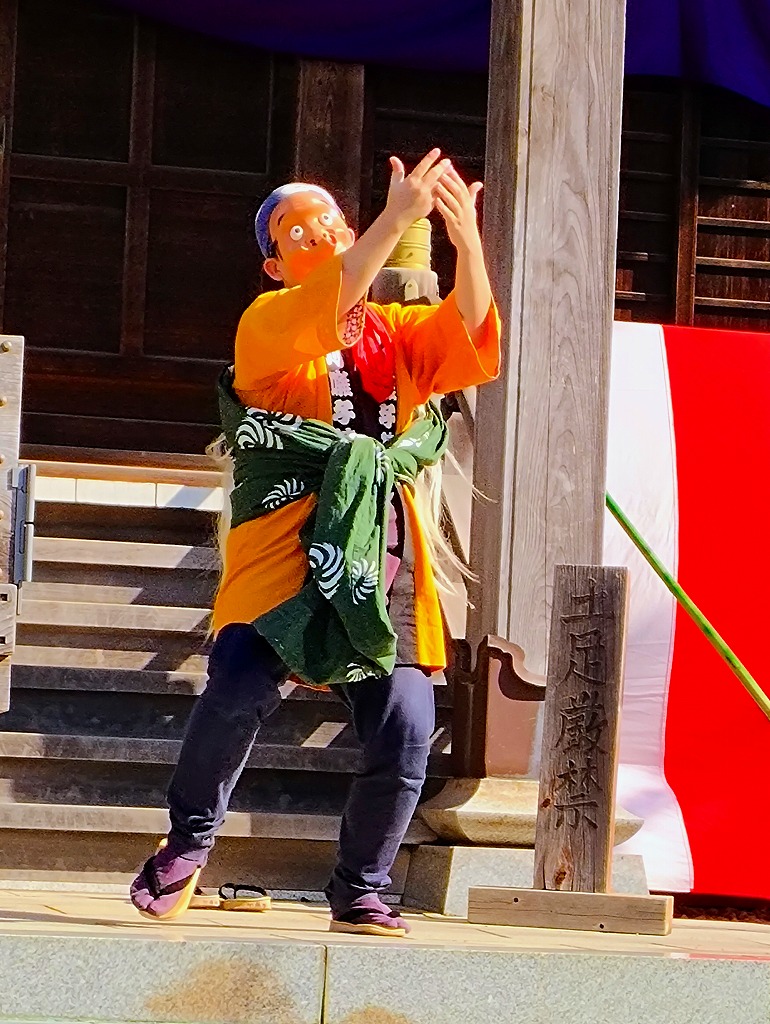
81,956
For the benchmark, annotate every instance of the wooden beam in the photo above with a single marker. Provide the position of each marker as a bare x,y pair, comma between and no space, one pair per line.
108,172
581,911
576,811
718,303
329,130
550,230
687,247
138,197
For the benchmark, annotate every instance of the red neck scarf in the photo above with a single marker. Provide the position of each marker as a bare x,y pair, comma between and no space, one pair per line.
375,357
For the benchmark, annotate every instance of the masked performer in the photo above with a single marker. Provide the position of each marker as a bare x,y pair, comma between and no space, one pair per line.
328,571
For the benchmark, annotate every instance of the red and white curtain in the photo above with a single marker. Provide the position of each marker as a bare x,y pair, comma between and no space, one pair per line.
689,463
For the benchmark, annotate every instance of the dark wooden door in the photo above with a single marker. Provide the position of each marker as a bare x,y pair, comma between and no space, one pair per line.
134,157
694,219
694,216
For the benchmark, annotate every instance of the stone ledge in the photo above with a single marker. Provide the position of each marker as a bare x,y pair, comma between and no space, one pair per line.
439,876
154,821
497,812
146,979
87,957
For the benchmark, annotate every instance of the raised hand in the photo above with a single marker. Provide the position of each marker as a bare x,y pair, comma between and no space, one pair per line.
411,196
456,202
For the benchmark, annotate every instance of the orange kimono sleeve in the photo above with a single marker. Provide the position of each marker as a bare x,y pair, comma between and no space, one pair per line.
437,348
281,330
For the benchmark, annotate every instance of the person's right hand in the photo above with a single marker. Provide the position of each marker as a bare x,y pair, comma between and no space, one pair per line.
411,196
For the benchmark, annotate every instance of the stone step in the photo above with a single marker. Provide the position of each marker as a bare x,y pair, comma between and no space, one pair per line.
64,456
303,723
140,750
192,475
66,648
166,751
27,676
161,716
126,784
112,858
87,615
162,592
138,554
114,522
122,584
154,820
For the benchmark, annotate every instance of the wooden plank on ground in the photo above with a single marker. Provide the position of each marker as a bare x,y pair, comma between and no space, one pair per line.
107,552
582,911
576,806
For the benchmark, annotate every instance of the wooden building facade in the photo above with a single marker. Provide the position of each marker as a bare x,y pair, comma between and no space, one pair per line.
134,156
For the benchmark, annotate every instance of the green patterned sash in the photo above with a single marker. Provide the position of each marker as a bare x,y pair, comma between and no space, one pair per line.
336,629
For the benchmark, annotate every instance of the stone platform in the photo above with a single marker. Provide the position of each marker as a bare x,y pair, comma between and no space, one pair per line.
72,956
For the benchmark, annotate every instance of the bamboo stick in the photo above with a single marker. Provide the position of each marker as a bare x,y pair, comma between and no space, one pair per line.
700,620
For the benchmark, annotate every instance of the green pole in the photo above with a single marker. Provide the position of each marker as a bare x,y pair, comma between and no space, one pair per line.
700,620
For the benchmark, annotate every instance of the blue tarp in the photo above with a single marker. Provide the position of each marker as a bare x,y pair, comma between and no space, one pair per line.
722,42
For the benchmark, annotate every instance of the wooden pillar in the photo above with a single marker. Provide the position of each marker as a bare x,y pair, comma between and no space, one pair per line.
329,130
550,229
687,247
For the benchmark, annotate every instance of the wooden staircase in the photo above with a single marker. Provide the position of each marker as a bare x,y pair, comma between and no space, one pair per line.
111,651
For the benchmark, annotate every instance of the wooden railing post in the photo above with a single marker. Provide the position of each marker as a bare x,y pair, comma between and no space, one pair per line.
11,363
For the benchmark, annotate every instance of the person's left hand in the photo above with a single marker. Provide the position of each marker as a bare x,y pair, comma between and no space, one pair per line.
456,202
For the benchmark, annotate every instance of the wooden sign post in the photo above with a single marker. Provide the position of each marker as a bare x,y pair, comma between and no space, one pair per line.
576,819
576,807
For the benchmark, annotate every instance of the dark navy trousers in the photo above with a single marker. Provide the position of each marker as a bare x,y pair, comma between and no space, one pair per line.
393,718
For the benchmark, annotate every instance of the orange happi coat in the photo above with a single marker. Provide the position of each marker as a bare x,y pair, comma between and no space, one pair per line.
280,364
